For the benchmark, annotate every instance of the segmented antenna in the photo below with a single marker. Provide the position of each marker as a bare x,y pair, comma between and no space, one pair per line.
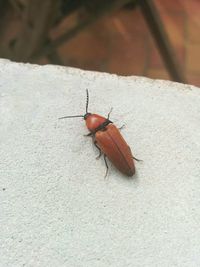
76,116
87,101
79,116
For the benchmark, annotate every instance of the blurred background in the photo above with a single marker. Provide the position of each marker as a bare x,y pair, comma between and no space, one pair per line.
155,38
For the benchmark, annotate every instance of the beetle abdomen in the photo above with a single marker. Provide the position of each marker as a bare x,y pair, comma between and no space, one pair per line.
116,149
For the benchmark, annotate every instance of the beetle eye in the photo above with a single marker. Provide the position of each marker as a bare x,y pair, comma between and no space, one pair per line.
86,116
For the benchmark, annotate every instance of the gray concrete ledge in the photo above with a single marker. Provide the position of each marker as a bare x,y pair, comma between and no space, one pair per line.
56,208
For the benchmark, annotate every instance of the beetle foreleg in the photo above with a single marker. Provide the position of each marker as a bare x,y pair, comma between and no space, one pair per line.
109,113
106,165
89,134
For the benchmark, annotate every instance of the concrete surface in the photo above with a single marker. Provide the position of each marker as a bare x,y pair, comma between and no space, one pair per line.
56,208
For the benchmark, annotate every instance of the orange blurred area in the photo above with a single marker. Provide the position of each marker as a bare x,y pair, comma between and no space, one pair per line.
122,43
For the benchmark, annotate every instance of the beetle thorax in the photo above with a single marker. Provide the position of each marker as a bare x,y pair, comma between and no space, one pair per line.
93,121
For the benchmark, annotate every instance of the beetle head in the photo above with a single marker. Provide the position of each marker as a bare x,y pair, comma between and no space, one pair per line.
87,115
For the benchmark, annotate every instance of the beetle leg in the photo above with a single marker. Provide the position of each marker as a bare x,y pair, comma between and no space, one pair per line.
100,153
134,157
106,165
89,134
137,159
121,127
109,113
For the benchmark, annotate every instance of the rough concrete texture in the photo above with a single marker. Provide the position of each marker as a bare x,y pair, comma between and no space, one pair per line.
56,208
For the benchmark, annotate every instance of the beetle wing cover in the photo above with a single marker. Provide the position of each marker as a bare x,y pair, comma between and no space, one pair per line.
113,145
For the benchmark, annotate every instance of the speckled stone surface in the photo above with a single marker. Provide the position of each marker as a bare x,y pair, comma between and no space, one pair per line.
56,208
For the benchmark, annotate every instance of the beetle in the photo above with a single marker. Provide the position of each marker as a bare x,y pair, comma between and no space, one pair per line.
108,140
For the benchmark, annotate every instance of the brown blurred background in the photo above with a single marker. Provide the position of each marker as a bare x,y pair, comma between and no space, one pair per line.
154,38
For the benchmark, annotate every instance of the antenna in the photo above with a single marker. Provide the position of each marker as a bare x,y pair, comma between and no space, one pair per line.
76,116
80,116
87,101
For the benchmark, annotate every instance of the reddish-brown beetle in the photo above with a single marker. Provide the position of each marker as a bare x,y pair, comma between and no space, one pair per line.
109,141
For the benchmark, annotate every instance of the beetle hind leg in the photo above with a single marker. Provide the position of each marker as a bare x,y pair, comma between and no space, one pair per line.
106,165
137,159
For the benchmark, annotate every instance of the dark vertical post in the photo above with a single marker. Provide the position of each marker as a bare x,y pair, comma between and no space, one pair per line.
162,40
